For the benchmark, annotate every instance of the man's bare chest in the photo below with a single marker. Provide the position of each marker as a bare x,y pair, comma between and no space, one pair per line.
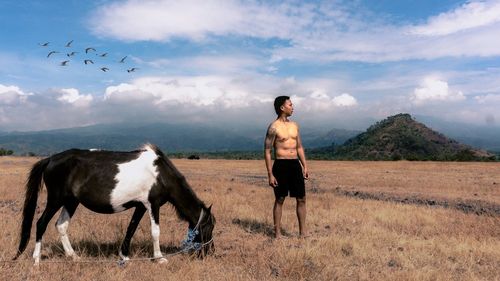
286,132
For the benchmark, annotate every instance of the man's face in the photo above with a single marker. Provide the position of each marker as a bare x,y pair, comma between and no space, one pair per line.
287,108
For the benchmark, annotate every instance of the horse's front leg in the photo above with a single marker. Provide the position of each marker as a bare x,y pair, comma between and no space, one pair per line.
132,227
154,214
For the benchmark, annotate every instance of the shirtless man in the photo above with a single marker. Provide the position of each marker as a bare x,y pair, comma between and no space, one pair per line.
287,174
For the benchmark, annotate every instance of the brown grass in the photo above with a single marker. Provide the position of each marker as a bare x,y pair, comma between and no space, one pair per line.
352,238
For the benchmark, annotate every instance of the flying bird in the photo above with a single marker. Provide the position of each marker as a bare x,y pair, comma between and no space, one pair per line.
88,61
52,52
87,50
133,69
104,69
69,43
64,63
71,54
123,59
44,44
103,55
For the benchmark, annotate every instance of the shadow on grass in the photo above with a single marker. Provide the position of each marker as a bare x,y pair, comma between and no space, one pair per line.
253,226
90,248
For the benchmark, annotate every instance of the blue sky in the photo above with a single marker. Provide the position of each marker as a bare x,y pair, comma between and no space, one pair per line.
344,63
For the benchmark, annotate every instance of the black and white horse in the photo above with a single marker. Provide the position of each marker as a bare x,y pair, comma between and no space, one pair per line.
110,182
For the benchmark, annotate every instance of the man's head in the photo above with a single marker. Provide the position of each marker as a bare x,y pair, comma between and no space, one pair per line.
283,104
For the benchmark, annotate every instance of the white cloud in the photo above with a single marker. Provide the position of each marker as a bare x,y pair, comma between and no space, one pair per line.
314,32
162,20
12,95
214,99
197,91
488,99
468,16
435,90
319,102
72,96
345,100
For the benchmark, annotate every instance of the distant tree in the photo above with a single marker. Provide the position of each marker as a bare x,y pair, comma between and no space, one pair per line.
4,152
465,155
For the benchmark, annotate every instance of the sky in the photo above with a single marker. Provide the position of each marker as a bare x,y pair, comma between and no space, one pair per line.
345,64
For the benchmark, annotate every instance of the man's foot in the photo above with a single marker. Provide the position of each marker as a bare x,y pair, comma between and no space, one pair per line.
282,237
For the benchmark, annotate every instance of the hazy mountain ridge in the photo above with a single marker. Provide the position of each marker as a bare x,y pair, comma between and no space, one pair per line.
172,138
480,136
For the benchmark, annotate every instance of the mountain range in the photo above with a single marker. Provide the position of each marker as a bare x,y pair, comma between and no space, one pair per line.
172,138
396,137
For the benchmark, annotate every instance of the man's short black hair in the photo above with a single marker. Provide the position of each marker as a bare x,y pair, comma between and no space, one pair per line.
278,102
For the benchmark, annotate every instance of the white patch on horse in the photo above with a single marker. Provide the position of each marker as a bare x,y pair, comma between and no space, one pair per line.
134,180
36,252
62,226
155,234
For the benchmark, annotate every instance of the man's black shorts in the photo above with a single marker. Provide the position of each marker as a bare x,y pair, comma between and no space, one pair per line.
288,174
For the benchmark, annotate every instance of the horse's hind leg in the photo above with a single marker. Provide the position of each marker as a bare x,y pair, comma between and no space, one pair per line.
62,226
41,226
134,222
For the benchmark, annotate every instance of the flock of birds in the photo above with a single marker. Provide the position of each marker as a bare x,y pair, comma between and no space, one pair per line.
86,61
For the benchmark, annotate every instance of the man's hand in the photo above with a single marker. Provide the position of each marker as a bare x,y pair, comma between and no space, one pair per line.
272,181
305,173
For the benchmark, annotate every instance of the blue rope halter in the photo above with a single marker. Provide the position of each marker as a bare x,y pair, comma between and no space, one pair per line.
189,243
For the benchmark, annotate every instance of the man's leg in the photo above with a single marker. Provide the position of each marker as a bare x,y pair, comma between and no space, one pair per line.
301,215
277,210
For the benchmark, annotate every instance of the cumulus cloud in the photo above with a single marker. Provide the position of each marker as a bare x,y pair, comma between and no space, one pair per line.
12,95
195,91
345,100
435,90
318,101
72,96
43,110
215,100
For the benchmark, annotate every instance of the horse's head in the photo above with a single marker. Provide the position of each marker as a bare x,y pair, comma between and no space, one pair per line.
204,236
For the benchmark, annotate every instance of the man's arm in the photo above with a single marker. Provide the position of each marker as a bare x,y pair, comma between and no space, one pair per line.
301,154
268,145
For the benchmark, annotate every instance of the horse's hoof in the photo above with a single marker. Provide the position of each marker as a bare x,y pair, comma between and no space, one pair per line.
122,256
162,261
75,257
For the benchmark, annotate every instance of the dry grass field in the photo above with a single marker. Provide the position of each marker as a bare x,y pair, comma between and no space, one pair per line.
368,221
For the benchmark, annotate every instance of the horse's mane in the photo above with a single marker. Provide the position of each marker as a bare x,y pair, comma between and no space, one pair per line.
182,180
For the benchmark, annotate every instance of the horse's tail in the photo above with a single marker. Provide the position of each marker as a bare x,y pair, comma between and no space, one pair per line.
33,186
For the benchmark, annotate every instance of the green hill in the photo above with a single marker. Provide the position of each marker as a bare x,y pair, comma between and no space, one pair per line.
401,137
